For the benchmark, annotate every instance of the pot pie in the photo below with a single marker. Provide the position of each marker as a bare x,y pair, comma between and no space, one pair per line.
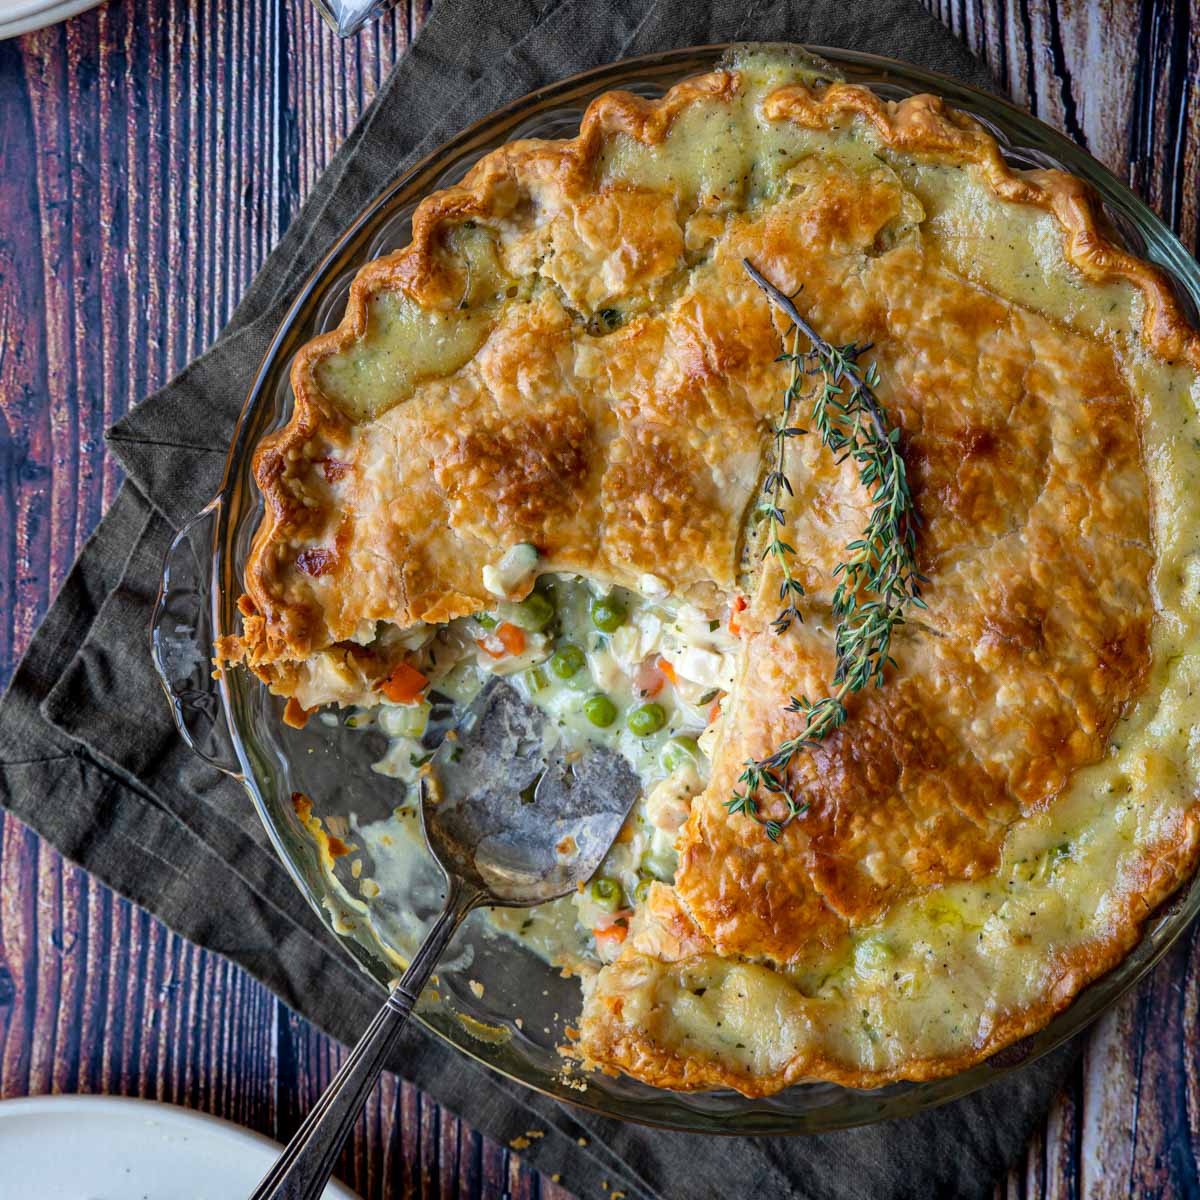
536,445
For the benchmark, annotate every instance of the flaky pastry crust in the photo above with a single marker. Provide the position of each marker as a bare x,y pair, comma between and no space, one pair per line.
638,449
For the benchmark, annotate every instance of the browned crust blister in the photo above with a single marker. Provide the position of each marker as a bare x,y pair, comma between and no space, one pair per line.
628,474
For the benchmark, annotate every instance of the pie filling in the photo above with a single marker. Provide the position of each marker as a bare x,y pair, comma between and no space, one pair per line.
642,674
537,445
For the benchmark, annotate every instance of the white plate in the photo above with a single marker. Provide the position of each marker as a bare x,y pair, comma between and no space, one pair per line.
109,1148
24,16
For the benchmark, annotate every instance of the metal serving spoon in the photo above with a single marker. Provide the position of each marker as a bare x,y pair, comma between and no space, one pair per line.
512,821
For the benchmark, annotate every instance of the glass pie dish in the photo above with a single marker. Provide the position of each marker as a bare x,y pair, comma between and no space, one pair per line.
494,1000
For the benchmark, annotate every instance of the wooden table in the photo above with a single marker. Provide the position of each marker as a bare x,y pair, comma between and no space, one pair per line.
151,152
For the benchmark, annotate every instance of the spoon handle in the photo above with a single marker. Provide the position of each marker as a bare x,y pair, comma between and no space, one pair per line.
304,1168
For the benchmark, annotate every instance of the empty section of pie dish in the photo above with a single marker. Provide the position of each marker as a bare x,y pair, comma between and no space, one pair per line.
331,793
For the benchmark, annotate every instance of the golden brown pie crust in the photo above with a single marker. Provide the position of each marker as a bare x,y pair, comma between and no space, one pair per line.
641,450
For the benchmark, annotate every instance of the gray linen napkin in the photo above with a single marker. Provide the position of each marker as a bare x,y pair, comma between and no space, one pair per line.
88,756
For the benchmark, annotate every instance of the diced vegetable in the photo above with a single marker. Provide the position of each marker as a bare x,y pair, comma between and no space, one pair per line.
600,710
535,612
506,639
610,938
649,680
404,685
511,638
643,889
680,750
668,670
608,614
407,720
537,680
486,620
567,661
738,606
606,893
659,864
646,720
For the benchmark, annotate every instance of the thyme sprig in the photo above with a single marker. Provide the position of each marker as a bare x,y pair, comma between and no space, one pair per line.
879,577
775,485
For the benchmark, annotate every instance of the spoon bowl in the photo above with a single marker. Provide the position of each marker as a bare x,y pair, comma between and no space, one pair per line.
515,813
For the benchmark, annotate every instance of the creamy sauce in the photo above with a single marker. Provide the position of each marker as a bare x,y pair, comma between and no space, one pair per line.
566,663
403,345
1015,251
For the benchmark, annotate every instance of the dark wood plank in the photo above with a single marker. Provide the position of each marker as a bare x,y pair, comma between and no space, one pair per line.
151,154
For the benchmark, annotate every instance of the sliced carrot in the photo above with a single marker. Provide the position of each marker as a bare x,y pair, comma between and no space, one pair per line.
739,605
668,670
714,710
611,937
511,637
504,639
404,685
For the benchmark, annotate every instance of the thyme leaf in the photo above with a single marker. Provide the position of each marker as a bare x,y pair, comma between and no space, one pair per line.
877,580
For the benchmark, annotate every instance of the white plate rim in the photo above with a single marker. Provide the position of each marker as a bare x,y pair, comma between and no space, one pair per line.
83,1104
29,18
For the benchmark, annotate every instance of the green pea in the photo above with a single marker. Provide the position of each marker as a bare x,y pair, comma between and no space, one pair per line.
648,719
535,612
643,889
608,614
680,750
568,660
600,710
606,893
